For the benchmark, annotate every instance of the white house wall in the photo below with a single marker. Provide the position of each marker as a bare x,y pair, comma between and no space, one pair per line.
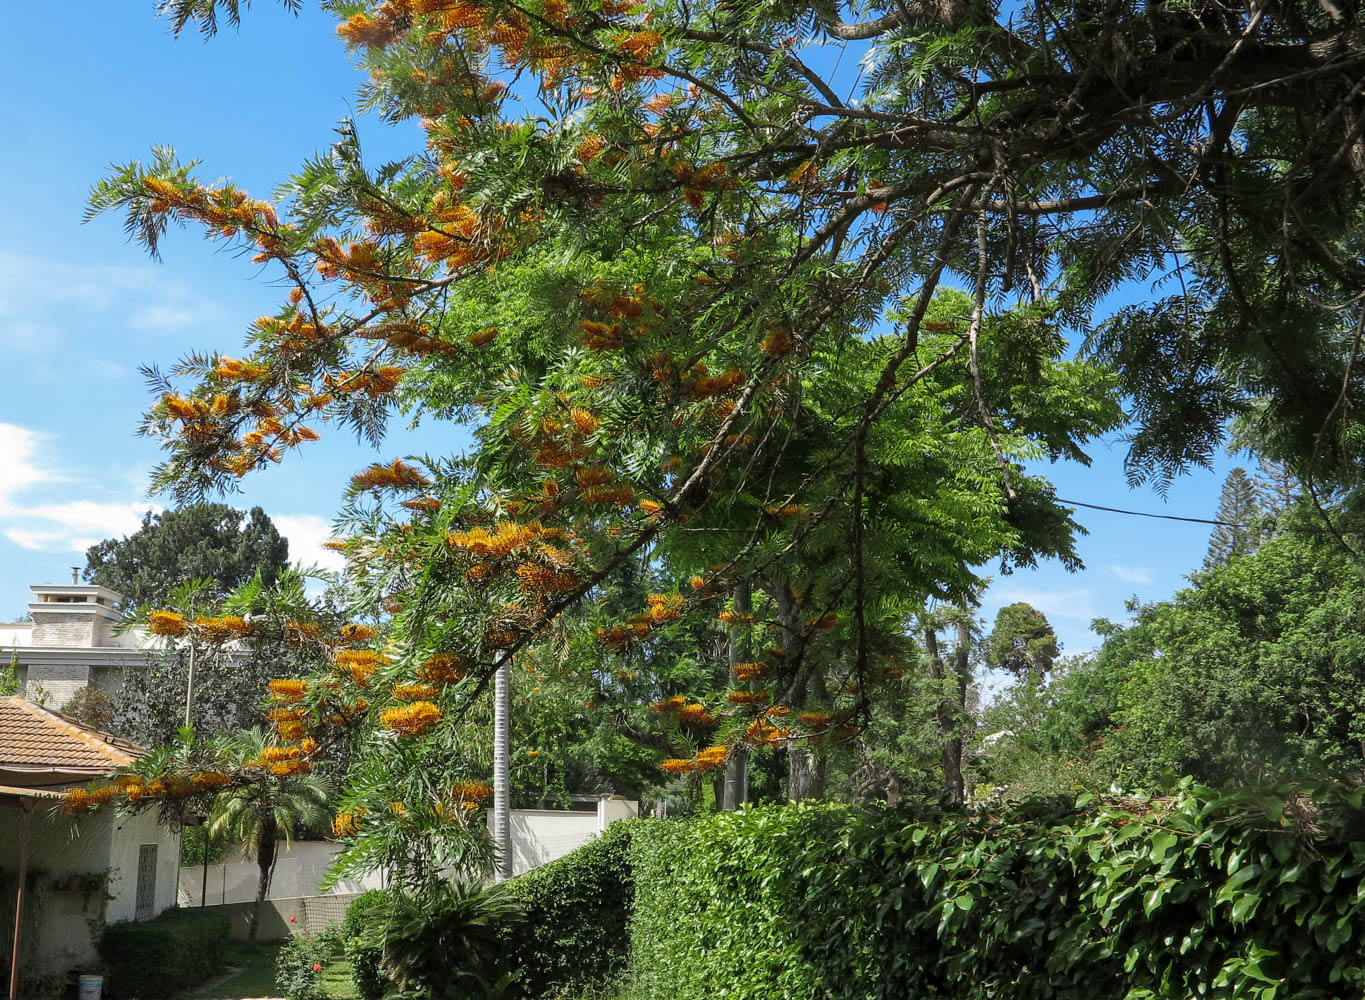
130,834
60,845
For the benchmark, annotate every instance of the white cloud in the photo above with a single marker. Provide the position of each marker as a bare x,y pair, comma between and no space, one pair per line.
1074,604
72,525
1132,574
306,533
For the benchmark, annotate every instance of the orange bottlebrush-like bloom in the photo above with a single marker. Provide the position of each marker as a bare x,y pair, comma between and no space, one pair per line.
672,703
730,617
789,510
815,719
397,475
358,658
443,668
422,503
167,623
695,714
828,620
347,823
287,690
584,422
273,754
676,765
297,632
749,671
711,757
357,633
594,476
537,579
399,809
484,337
619,494
777,711
748,697
665,607
415,692
474,791
210,779
410,720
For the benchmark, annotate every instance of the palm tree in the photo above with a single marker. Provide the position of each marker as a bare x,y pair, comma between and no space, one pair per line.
260,814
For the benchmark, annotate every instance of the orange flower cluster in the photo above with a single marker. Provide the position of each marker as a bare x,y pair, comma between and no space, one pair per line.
210,779
537,579
673,703
748,697
483,338
816,720
76,801
507,538
443,668
696,714
711,758
762,732
167,623
297,633
829,619
396,476
347,822
777,343
619,494
730,617
702,385
474,791
749,671
274,754
287,690
664,608
222,628
358,633
789,510
676,765
288,722
415,692
410,720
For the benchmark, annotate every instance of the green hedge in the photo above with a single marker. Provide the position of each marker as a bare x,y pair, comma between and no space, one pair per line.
162,956
1252,894
575,934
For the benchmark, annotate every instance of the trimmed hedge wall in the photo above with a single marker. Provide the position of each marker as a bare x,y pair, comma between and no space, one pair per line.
163,956
1251,894
575,934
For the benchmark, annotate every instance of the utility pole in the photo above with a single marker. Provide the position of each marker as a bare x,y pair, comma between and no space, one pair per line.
502,813
189,689
736,791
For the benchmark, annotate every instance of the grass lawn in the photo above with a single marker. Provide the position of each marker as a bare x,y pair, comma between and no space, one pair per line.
257,978
257,975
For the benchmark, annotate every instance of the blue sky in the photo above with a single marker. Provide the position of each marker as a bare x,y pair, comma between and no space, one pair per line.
80,308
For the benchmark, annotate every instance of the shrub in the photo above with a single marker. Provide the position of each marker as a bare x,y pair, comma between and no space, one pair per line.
1248,894
446,940
362,935
367,968
365,912
162,956
299,966
574,937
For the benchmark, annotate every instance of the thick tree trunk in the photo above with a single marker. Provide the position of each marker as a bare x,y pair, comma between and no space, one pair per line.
265,860
805,772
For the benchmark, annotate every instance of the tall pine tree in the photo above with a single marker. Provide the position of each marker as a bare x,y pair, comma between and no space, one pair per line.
1239,510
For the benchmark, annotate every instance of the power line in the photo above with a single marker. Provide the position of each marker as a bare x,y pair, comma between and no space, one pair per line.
1143,513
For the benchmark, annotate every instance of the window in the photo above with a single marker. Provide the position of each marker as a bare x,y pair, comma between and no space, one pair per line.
146,882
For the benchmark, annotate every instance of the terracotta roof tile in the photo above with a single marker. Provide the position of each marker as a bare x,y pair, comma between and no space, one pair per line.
32,736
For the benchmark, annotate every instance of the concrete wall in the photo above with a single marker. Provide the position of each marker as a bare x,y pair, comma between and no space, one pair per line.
67,628
539,836
129,834
298,871
310,915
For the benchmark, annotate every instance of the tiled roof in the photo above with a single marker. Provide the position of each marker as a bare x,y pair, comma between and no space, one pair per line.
33,737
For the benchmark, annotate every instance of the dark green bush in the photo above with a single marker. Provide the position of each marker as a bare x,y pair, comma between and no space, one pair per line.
299,965
365,913
445,941
577,908
1251,894
162,956
362,931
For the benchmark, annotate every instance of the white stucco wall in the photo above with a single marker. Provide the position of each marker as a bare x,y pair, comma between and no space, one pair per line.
129,834
58,934
298,871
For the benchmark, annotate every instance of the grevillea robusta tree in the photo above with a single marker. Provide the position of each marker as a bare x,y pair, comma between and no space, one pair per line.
685,270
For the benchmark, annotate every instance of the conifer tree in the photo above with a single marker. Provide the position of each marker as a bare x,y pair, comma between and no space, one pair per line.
1239,510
